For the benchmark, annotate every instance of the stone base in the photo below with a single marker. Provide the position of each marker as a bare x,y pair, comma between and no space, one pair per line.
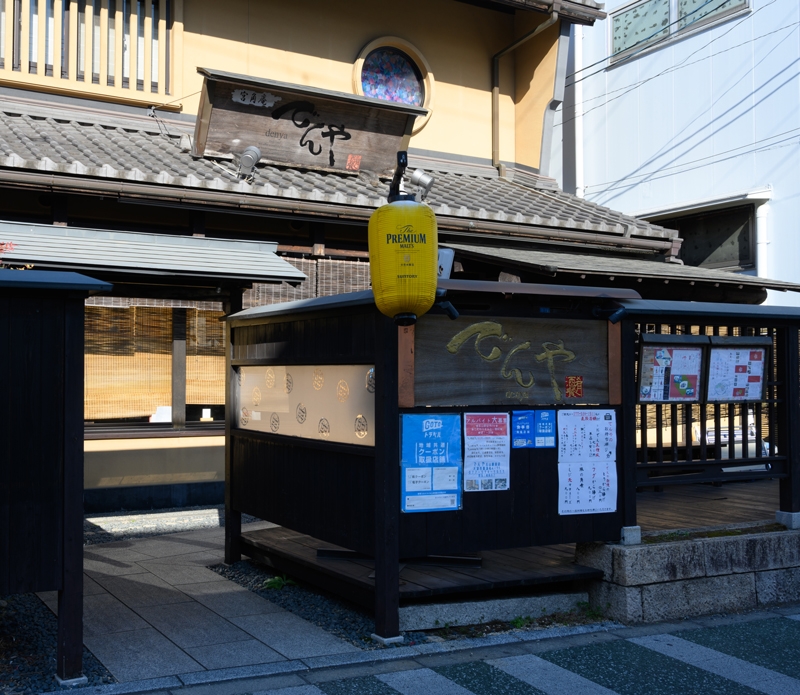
432,616
790,520
388,640
72,682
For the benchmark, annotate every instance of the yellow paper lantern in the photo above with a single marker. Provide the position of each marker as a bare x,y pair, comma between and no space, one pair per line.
403,258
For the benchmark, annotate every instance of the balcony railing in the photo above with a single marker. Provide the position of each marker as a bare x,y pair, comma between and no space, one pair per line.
119,50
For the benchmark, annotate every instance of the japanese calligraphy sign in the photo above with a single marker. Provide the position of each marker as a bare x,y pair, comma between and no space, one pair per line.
300,126
510,361
431,462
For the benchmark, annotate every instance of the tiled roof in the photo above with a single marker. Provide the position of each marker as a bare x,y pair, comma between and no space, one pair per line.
91,144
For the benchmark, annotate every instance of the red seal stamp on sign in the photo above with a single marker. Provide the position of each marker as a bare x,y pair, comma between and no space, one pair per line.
573,386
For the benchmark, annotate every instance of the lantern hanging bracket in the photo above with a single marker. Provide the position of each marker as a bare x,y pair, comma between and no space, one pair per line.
397,180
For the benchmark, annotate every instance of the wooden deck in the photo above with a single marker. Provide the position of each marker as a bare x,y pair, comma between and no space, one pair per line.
690,506
545,568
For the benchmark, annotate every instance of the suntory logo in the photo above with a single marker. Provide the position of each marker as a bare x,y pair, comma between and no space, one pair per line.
406,235
428,425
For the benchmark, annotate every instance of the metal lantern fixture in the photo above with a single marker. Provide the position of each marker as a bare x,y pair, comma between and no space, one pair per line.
403,248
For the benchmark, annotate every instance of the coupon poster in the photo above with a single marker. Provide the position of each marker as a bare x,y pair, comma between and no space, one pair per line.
431,463
487,452
533,429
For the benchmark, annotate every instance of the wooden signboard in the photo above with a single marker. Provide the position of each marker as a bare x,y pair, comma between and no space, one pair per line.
300,126
510,361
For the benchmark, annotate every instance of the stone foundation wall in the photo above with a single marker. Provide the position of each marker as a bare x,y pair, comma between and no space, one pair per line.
665,581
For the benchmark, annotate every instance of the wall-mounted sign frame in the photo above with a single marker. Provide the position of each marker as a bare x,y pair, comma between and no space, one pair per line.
301,126
672,368
738,368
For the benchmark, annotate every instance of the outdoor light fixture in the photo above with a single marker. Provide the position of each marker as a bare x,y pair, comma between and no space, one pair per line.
403,251
247,162
424,181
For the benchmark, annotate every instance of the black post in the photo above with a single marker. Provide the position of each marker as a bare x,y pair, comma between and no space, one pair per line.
387,482
179,369
788,363
233,517
628,429
70,597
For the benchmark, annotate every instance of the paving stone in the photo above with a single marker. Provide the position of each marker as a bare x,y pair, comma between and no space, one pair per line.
140,654
231,654
174,573
191,625
734,592
548,677
291,636
142,590
737,670
104,614
228,599
351,658
293,690
422,681
100,561
174,545
221,675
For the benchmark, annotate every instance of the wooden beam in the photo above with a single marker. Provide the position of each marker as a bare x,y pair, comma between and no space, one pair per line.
233,517
69,657
788,416
179,369
387,482
614,363
627,426
405,366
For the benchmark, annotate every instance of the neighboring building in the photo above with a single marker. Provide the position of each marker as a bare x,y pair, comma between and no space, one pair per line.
687,114
102,169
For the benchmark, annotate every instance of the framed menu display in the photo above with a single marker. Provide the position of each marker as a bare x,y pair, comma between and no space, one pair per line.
738,368
671,368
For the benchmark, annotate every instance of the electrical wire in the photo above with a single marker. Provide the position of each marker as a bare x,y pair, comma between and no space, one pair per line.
644,40
671,68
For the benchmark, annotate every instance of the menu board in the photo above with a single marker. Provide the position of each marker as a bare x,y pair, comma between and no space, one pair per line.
736,373
670,374
587,469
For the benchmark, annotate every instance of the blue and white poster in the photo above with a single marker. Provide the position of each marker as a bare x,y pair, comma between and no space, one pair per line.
533,429
431,462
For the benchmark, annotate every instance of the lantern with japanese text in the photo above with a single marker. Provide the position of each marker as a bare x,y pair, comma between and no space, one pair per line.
403,254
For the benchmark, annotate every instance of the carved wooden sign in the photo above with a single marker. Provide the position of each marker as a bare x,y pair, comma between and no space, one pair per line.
510,361
300,126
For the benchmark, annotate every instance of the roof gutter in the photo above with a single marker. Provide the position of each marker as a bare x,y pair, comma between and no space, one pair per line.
153,194
496,79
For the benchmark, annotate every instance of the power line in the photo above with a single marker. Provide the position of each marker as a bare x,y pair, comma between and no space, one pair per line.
644,40
686,65
685,165
669,69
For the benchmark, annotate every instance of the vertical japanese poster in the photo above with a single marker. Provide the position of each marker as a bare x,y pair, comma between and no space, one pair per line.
670,374
487,452
533,429
736,374
431,463
587,465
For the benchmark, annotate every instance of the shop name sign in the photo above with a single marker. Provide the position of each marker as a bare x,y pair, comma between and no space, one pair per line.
507,361
300,126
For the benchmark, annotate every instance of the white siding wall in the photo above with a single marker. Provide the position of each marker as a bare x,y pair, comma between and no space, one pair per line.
703,117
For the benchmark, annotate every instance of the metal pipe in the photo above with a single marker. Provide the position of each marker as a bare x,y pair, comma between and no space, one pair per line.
496,78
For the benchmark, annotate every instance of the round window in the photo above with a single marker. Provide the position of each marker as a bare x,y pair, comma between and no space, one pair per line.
391,69
391,75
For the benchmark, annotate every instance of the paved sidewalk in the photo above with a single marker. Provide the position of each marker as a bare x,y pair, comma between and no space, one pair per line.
152,609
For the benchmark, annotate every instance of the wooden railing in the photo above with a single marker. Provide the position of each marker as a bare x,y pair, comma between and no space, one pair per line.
113,50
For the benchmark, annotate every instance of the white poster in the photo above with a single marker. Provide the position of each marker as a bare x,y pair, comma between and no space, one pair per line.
487,452
588,487
587,435
736,374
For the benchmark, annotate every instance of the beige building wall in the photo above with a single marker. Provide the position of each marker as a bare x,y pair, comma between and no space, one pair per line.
315,43
535,73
